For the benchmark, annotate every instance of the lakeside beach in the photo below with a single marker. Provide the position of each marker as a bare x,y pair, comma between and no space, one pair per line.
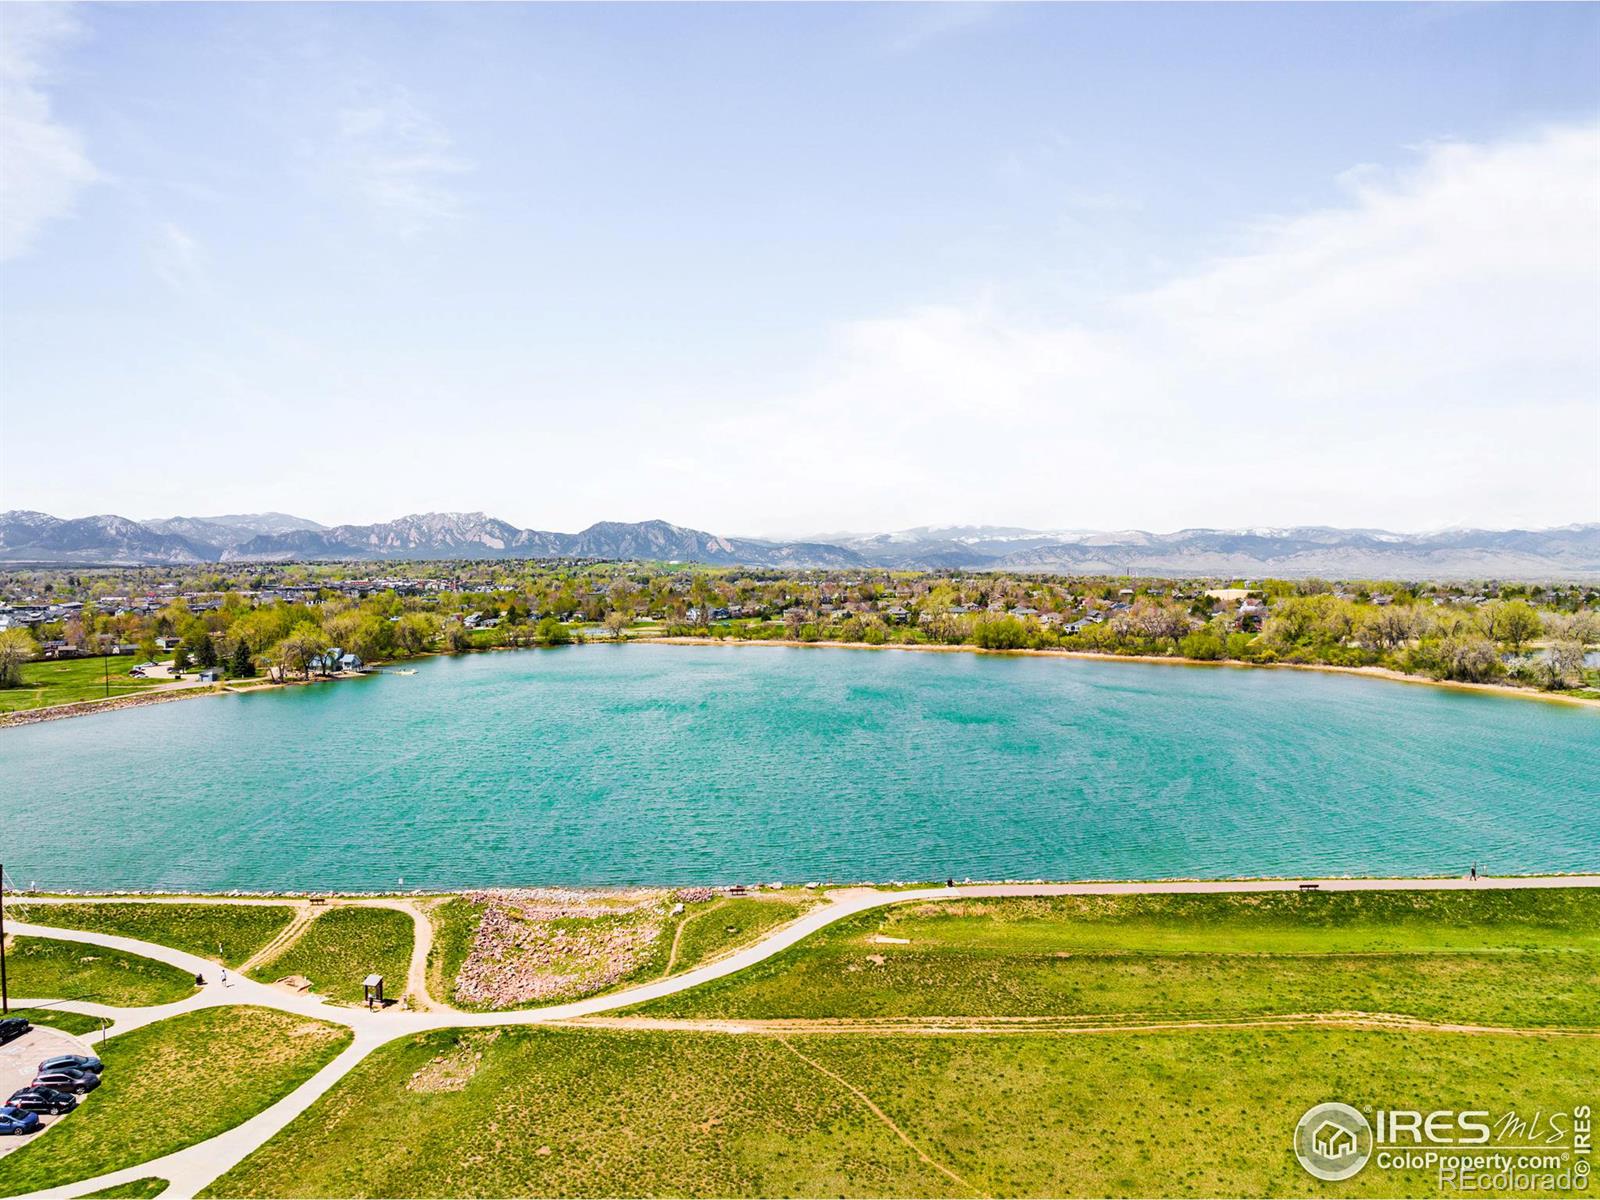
194,691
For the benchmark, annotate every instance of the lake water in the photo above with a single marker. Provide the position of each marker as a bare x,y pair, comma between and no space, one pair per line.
663,764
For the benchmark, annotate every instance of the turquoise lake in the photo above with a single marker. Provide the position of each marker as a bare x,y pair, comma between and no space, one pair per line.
665,764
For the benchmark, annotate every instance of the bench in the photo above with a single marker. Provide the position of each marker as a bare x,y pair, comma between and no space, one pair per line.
1309,887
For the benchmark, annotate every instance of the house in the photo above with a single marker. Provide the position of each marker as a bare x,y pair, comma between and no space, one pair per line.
351,662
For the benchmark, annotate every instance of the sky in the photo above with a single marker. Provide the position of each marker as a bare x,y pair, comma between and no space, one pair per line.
786,269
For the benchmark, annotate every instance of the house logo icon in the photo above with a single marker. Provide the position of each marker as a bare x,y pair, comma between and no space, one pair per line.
1333,1141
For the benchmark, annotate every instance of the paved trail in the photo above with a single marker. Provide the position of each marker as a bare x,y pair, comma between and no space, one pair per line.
191,1169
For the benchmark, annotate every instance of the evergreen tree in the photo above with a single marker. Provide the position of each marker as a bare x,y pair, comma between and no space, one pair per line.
205,651
241,666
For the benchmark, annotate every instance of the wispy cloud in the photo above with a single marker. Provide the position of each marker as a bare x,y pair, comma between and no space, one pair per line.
1427,348
178,258
920,24
401,161
43,165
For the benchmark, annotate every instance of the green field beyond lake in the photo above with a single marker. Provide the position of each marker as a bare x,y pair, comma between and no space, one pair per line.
663,764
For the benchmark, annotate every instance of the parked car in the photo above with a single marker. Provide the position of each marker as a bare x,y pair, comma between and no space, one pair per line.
73,1062
67,1080
12,1028
17,1121
43,1100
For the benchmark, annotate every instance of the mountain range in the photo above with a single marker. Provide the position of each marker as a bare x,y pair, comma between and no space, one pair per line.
1569,552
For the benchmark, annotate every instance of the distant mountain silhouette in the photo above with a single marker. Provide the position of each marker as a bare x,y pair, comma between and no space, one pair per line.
1569,552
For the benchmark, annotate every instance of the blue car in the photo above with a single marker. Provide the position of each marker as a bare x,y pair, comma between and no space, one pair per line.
17,1121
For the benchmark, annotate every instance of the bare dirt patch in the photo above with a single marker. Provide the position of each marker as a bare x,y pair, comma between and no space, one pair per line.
453,1071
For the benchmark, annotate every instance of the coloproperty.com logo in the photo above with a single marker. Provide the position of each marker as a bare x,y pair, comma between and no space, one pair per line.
1469,1150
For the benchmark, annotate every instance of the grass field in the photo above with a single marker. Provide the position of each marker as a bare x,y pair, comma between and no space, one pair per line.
240,929
138,1189
342,946
59,1018
724,925
1509,958
455,921
173,1084
703,1114
69,680
44,968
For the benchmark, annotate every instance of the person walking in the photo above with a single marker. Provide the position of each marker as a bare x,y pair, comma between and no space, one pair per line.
1474,872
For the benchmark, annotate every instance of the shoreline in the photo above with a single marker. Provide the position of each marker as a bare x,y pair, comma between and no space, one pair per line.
1502,689
1173,884
85,708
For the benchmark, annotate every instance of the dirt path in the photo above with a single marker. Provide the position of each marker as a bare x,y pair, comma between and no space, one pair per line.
421,945
1098,1023
867,1103
291,933
677,938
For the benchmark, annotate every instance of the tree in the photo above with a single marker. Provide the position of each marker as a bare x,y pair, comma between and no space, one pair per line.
1386,628
617,621
16,647
240,664
553,633
1565,664
205,650
1469,657
181,655
414,632
1513,623
999,633
295,652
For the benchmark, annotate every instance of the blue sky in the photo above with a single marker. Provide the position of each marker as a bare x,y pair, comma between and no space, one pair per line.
782,269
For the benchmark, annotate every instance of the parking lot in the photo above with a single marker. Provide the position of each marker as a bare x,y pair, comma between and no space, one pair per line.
20,1059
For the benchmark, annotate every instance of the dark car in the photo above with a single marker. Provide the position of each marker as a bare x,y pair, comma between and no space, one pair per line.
12,1028
67,1080
17,1121
73,1062
43,1100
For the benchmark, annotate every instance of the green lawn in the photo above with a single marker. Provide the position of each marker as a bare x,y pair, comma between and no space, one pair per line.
172,1084
342,947
455,921
1190,1113
240,929
1504,957
138,1189
714,929
621,1114
44,968
69,680
59,1018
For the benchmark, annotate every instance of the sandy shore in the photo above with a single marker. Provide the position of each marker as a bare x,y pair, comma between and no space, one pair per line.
84,708
1499,689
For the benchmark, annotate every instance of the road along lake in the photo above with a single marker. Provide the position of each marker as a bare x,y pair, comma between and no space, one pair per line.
604,764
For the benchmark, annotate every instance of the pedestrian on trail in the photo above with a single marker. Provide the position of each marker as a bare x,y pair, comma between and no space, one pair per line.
1474,871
